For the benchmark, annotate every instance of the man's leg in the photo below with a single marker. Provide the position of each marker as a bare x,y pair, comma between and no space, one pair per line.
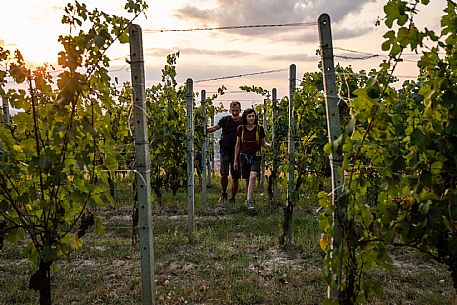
234,188
224,183
225,165
236,174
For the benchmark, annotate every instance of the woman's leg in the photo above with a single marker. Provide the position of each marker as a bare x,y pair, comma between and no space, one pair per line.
251,185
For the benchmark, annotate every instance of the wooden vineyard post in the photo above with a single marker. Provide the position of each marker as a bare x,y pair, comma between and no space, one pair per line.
190,159
333,126
209,144
264,122
289,209
142,162
204,147
211,156
275,144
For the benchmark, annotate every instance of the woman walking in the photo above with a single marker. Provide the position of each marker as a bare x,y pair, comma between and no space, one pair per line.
250,137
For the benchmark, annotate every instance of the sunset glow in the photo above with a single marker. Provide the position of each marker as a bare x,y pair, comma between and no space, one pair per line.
33,27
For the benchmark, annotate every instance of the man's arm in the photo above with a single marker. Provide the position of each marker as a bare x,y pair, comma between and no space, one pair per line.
213,128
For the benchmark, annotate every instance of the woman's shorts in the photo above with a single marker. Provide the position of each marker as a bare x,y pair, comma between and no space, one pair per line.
249,163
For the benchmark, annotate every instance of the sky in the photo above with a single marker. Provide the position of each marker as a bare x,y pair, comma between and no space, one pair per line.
33,26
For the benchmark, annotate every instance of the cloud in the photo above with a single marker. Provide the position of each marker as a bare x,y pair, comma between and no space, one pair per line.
345,33
4,44
210,71
312,36
191,12
161,52
337,34
226,53
241,12
290,58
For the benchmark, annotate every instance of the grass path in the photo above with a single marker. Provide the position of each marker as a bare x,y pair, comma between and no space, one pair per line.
236,259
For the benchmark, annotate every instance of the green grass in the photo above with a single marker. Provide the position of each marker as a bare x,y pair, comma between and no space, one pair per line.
235,259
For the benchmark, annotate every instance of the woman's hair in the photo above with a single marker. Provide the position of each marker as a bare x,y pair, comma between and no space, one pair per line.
244,120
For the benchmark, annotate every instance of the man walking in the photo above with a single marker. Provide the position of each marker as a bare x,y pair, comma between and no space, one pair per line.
229,125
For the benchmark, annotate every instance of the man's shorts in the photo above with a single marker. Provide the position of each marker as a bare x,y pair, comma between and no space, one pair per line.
226,164
249,163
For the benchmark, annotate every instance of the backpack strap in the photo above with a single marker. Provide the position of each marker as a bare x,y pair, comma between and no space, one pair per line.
257,134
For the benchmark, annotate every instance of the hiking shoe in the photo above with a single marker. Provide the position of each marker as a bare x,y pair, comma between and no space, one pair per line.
223,198
251,209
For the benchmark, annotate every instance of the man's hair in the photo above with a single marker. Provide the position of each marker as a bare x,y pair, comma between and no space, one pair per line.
234,104
244,116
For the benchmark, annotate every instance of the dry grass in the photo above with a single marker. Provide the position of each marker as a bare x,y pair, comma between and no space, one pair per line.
236,259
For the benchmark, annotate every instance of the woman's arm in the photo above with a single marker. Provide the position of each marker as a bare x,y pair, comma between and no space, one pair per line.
237,153
263,143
